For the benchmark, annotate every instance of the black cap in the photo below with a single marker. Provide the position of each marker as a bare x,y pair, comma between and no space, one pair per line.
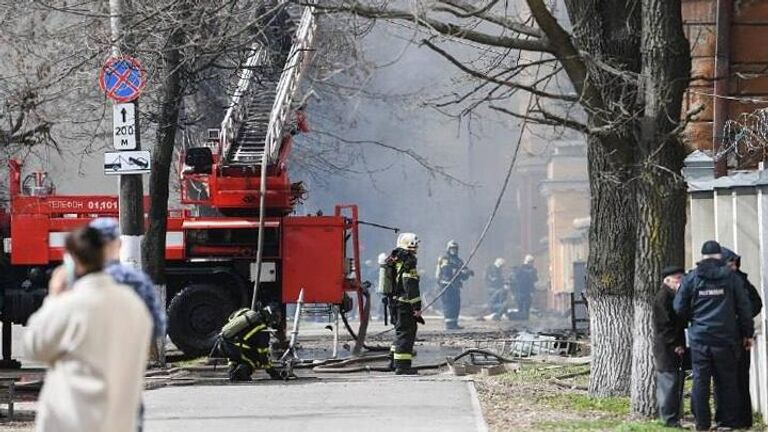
711,247
670,270
730,256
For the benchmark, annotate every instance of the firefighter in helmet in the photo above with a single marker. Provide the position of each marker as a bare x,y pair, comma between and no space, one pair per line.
450,276
405,301
244,340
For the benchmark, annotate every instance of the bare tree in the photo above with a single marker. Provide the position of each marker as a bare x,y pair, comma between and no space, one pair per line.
627,64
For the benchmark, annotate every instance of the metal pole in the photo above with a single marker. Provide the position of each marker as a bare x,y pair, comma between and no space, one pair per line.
131,187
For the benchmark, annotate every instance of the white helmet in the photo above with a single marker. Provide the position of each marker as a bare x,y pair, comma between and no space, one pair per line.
383,258
452,244
408,241
499,262
528,259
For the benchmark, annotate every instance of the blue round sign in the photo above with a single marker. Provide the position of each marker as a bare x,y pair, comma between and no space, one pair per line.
122,79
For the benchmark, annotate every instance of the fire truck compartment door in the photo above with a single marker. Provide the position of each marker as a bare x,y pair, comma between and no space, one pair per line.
313,259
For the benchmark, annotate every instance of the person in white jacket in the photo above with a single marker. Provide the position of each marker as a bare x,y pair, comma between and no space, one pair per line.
93,334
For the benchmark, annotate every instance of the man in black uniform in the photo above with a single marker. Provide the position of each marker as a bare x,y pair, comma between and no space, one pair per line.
733,261
497,294
405,302
525,277
244,340
668,349
715,302
450,279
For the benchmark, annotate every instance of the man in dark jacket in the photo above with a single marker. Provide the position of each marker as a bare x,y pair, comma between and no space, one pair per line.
668,348
733,261
715,302
526,277
497,294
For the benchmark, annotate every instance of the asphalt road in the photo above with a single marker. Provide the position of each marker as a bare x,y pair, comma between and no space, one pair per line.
371,404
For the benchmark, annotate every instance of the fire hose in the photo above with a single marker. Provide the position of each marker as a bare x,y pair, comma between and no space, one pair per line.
347,366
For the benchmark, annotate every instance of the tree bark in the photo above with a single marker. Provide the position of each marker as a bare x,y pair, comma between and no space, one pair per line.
153,247
608,32
610,272
660,189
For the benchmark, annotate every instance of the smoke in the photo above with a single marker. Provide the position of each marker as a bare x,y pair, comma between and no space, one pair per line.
468,157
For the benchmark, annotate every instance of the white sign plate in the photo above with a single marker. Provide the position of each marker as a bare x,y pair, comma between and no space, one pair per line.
127,162
124,126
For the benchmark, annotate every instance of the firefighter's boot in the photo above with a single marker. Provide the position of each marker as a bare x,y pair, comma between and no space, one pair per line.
239,372
403,367
274,374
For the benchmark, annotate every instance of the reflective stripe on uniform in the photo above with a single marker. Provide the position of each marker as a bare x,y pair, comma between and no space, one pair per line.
451,320
411,301
247,360
256,329
403,356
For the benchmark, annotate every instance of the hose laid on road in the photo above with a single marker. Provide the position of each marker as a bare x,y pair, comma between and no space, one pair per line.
343,366
354,336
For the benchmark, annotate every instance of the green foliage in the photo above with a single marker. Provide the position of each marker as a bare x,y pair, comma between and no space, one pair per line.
603,424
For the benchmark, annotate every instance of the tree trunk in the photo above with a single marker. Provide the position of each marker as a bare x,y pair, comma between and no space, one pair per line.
153,247
610,273
660,189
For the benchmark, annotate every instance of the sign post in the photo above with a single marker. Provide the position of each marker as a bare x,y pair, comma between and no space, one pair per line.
122,80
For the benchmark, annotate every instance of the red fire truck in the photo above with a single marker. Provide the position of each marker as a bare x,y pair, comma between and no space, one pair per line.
238,201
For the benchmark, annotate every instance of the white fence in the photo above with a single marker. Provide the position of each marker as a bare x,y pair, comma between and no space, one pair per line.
734,211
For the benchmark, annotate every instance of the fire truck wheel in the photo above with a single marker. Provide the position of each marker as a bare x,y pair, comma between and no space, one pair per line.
195,316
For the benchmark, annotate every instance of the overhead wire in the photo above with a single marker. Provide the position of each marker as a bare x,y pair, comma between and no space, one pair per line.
497,204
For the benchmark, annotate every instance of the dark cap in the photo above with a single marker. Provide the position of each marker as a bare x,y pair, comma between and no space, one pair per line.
730,256
711,247
108,227
670,270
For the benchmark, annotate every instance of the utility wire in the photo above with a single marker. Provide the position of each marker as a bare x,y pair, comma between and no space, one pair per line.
496,206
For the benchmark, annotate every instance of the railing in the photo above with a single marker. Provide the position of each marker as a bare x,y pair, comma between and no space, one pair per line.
289,81
238,107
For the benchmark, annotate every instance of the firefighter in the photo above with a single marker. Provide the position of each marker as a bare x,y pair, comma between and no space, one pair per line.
244,340
404,301
450,277
497,289
525,278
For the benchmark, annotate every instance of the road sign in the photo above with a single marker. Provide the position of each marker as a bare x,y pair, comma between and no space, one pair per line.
124,126
122,78
127,162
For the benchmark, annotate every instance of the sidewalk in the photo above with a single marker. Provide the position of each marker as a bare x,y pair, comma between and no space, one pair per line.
372,404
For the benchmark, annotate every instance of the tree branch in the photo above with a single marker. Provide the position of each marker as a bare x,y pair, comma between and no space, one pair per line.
470,11
444,28
569,56
547,119
506,83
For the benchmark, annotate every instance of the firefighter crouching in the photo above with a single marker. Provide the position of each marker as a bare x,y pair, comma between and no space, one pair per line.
399,283
244,340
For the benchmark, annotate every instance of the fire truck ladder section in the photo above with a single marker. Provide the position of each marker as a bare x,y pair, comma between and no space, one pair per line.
255,123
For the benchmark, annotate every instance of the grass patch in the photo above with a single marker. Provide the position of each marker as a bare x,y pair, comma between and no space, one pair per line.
603,425
537,373
614,406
